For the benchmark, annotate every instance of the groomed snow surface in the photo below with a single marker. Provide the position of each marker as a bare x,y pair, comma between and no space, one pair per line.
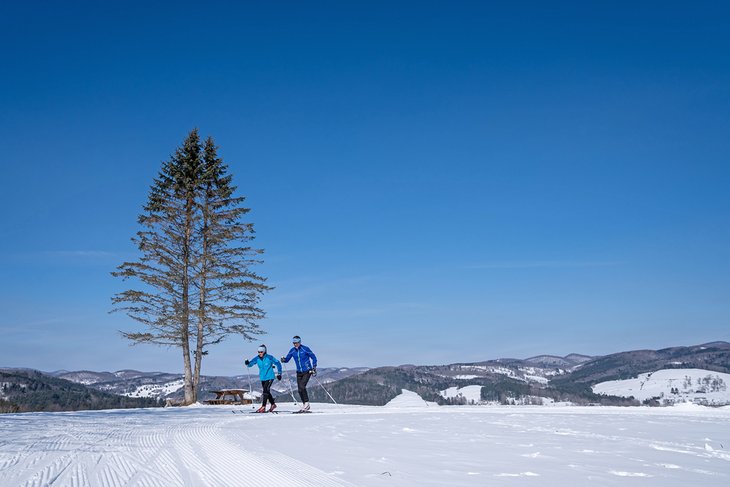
406,443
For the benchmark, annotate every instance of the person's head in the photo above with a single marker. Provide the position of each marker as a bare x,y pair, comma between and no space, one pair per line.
297,341
262,350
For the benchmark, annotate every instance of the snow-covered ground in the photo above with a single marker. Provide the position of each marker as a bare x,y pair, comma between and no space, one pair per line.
406,443
673,386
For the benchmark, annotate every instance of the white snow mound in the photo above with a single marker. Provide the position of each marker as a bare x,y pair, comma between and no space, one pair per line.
408,399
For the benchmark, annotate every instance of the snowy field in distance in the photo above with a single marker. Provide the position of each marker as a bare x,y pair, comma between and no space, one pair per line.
673,386
407,443
472,394
156,390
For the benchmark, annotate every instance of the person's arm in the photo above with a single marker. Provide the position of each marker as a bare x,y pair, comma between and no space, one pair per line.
252,362
278,366
287,357
314,357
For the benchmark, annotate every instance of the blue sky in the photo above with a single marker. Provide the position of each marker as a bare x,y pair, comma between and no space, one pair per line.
432,182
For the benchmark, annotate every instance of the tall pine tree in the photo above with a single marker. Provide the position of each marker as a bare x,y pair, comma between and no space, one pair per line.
195,264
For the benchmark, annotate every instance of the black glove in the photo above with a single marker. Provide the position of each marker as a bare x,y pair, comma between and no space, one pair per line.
313,371
278,377
283,359
246,362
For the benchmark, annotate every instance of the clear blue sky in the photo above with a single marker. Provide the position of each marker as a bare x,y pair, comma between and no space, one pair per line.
433,182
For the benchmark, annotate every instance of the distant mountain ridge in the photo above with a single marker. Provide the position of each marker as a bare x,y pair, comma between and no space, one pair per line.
536,380
165,385
714,356
553,360
30,390
89,377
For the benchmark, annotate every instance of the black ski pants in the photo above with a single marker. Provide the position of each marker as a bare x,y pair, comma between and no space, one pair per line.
302,379
266,386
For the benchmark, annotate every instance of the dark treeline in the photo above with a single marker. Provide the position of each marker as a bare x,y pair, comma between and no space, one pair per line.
27,391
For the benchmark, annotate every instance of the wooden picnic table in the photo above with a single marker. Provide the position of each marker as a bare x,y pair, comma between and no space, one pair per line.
229,396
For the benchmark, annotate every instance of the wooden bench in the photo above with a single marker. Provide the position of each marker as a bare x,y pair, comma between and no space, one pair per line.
229,396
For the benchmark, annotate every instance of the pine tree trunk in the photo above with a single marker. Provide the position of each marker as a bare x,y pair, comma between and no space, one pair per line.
190,390
199,341
198,359
203,286
188,377
202,302
190,396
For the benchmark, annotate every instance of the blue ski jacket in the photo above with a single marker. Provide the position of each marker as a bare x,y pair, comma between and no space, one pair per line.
266,366
302,358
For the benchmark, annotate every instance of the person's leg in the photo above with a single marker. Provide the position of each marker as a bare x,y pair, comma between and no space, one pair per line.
271,396
265,394
266,386
302,379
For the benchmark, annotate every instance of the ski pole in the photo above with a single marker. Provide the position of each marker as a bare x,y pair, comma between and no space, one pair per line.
325,390
250,390
291,391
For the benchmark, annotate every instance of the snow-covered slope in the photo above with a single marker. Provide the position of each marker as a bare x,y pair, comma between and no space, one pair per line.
399,445
517,372
156,390
471,394
670,386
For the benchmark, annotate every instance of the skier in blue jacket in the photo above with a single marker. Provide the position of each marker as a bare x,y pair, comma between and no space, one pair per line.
306,362
266,365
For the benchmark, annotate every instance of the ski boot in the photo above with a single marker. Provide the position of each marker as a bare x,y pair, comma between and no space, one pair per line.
271,409
262,409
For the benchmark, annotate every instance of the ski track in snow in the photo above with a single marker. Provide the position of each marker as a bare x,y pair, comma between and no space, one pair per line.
87,449
409,442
